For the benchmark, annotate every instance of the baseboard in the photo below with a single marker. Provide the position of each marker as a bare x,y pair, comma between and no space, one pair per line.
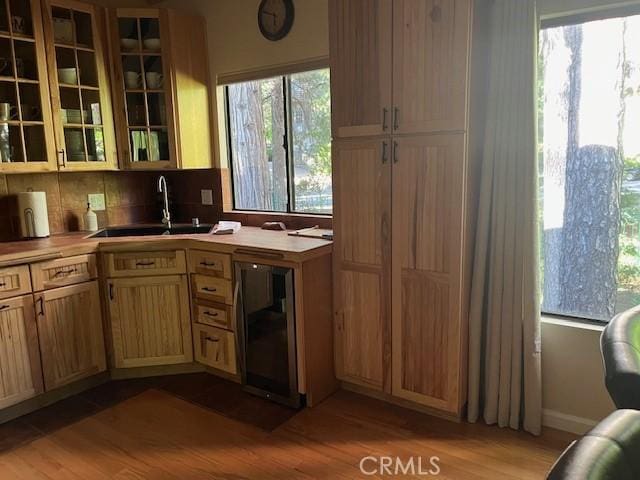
49,398
567,423
156,370
400,402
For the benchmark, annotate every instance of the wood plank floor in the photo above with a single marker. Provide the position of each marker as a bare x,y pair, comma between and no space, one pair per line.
156,435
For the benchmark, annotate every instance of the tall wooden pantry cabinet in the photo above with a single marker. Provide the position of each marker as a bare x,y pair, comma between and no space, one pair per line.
399,87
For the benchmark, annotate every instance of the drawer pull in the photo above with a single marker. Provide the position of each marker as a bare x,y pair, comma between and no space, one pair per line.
3,307
209,289
208,264
145,264
65,272
3,284
210,314
258,253
211,339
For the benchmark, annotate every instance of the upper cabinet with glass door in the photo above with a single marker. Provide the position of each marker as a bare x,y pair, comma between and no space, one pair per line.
80,89
26,138
162,89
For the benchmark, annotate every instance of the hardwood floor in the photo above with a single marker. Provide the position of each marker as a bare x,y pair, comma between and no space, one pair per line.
156,435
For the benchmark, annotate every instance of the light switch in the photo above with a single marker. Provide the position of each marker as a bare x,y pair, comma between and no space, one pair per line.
96,200
207,197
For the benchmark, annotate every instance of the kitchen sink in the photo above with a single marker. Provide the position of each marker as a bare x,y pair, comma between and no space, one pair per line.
138,231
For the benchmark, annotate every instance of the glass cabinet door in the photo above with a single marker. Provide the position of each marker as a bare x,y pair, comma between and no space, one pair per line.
80,88
145,93
26,139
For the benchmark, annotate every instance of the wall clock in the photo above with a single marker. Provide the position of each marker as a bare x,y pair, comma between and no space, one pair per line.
275,18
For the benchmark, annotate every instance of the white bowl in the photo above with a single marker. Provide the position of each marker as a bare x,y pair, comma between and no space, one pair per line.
68,76
152,43
129,43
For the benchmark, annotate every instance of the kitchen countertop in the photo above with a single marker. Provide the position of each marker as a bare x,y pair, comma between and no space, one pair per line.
247,238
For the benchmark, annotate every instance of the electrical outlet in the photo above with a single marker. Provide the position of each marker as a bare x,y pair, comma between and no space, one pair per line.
96,200
207,197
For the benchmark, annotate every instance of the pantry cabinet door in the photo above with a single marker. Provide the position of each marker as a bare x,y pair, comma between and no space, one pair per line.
362,182
71,333
20,373
360,44
430,65
427,267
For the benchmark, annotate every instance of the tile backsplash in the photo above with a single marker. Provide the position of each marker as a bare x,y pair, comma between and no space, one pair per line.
130,197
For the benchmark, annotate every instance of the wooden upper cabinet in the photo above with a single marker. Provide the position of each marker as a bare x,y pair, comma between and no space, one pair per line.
80,86
71,333
161,88
362,203
430,65
428,208
20,373
360,52
27,141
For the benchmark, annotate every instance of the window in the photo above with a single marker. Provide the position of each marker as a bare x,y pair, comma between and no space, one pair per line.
589,99
280,143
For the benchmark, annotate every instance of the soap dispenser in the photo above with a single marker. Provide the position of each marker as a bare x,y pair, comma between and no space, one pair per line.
90,220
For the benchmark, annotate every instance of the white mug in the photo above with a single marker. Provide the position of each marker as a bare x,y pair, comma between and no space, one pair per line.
132,79
8,112
154,80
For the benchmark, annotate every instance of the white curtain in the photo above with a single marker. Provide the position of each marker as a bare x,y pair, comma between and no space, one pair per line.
504,330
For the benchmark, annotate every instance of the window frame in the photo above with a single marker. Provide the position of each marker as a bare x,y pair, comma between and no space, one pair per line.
287,144
566,20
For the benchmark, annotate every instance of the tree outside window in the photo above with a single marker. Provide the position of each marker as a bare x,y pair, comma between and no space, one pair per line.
280,143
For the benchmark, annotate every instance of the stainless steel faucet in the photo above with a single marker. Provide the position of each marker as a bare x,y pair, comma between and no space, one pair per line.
162,188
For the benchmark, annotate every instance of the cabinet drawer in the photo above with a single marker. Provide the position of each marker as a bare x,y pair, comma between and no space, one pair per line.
135,264
210,263
63,271
213,289
215,347
214,315
14,281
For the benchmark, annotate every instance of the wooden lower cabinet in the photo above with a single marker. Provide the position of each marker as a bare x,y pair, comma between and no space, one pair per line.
215,347
150,322
71,334
20,373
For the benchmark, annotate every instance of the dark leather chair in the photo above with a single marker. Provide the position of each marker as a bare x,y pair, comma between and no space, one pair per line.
620,345
611,451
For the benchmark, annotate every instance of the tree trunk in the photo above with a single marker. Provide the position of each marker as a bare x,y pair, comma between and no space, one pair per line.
560,140
278,160
590,233
251,176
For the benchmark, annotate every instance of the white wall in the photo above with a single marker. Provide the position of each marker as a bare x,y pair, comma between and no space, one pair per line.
574,394
235,43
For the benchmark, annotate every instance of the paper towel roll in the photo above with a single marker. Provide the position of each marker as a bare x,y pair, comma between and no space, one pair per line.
34,218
